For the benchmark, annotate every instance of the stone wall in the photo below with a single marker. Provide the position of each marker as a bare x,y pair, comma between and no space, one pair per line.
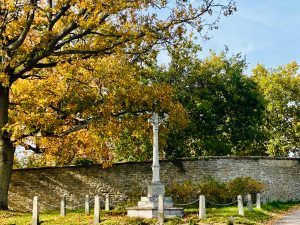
281,176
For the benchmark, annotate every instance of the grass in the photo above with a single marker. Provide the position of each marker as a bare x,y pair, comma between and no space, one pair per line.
214,216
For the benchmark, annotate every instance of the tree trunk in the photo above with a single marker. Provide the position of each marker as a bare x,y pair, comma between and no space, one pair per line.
6,149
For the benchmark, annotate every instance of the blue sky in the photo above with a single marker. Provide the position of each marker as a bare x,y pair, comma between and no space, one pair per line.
265,31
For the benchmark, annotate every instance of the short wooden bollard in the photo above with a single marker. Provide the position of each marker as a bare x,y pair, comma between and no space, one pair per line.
161,213
107,202
258,202
87,204
202,210
249,202
97,210
240,205
63,206
35,211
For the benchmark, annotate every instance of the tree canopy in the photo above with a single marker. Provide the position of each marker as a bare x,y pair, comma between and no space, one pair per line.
85,113
51,48
224,107
281,90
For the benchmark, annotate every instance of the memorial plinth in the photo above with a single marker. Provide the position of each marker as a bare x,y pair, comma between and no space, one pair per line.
148,206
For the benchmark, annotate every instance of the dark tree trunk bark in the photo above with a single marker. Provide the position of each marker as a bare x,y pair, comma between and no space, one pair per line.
6,149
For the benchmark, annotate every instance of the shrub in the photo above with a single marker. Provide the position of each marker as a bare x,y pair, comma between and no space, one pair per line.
182,192
243,186
214,191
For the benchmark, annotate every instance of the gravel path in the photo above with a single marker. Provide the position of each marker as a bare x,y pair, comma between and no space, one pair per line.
292,218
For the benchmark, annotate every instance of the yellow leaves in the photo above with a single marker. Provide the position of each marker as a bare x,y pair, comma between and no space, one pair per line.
108,91
78,145
104,94
292,67
4,79
281,89
281,79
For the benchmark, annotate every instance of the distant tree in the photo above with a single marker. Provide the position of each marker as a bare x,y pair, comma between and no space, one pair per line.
39,39
224,107
281,90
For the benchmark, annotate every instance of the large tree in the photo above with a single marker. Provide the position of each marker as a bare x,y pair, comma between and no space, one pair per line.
87,112
224,107
36,35
281,90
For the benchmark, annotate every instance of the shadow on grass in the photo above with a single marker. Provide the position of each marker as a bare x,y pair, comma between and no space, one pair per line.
257,216
214,216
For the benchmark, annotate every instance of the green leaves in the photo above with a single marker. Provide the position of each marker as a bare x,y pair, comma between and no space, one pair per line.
281,90
224,107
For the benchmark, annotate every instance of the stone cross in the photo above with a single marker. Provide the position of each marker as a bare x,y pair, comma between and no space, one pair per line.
155,121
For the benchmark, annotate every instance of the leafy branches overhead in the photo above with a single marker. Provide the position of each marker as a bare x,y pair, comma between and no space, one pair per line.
59,62
40,34
46,85
103,100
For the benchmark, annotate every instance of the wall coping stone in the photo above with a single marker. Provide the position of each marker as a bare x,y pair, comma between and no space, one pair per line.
204,158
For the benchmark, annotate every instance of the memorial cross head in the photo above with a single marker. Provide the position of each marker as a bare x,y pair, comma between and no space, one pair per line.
155,120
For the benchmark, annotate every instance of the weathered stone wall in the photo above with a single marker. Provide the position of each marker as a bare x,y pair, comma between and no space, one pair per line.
281,176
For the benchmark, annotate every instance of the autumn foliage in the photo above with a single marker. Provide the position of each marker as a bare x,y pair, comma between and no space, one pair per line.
59,70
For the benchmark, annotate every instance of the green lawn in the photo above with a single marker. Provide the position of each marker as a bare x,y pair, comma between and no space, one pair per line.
214,216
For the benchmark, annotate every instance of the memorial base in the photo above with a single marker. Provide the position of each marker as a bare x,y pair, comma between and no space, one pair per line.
148,206
156,189
153,212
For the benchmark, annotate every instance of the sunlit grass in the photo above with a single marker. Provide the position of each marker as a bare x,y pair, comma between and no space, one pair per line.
214,216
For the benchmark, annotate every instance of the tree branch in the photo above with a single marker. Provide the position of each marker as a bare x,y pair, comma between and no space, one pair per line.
79,35
72,38
61,12
93,52
36,149
26,29
129,112
46,65
60,36
74,128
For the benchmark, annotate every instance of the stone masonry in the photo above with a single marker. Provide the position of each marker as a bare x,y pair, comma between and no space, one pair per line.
281,176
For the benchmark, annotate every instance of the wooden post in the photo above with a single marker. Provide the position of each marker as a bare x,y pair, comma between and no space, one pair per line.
161,216
63,206
35,211
87,204
240,205
107,202
202,210
97,210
